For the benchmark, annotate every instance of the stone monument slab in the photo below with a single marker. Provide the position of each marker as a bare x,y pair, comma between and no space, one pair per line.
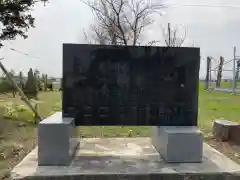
130,85
126,85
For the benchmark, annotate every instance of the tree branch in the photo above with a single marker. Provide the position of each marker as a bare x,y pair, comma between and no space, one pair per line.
123,20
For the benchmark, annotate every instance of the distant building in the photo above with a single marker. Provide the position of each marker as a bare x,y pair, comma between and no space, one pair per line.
56,82
56,85
17,79
51,79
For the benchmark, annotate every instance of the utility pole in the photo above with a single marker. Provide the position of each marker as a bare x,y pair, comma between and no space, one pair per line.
234,71
169,35
25,99
208,73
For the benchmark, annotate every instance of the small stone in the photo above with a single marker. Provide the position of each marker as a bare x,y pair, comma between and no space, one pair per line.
237,155
22,125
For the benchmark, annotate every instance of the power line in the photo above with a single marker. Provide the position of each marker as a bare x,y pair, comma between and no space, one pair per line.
21,52
204,5
223,63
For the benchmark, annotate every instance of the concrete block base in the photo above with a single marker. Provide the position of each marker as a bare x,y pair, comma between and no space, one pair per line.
178,144
127,159
56,141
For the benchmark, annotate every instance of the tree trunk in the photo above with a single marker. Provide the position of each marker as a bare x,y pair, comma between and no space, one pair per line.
208,73
14,94
234,134
223,129
219,73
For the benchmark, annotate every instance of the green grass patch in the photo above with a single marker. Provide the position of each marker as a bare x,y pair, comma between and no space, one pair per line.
224,84
217,105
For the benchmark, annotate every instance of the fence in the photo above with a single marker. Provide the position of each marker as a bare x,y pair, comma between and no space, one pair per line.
219,83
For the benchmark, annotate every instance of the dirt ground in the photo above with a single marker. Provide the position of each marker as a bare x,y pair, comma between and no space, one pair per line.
227,148
16,140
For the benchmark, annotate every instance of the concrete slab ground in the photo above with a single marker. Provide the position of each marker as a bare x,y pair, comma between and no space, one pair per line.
127,158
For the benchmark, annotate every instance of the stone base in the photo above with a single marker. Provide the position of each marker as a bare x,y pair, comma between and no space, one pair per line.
178,144
56,140
128,159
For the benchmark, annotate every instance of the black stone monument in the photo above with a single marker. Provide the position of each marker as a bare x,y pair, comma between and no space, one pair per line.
130,85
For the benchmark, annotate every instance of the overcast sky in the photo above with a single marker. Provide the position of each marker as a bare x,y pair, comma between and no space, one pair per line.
214,30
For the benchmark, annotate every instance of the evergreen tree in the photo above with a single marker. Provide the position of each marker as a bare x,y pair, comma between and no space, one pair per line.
30,89
44,80
37,79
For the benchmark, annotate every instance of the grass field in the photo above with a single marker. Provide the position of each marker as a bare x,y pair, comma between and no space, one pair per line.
18,135
225,84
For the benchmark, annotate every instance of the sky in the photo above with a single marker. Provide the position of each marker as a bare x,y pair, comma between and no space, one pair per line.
214,29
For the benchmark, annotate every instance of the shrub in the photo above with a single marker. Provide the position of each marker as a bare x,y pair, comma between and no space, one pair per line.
7,87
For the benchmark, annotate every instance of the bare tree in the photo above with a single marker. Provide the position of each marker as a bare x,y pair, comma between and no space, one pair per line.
173,37
121,21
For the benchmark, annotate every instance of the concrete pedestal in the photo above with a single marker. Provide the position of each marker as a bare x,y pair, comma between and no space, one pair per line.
178,144
56,140
127,159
